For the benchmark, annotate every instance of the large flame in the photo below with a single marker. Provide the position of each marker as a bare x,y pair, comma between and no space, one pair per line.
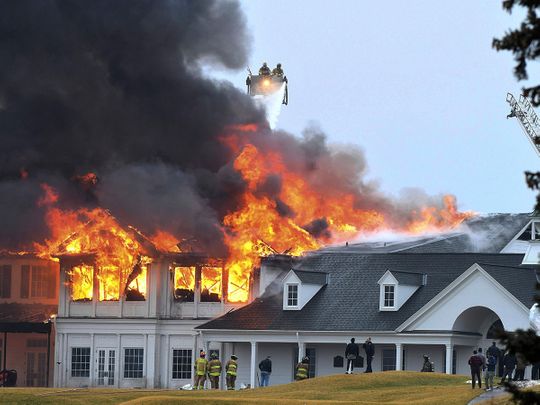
117,265
260,226
258,229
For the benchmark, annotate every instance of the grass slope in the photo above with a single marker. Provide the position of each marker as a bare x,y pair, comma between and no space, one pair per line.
393,387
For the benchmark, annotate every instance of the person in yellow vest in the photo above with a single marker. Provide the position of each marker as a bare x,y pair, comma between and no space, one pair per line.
302,370
214,371
201,367
230,369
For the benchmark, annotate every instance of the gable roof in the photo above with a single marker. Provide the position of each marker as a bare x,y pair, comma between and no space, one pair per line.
311,277
350,301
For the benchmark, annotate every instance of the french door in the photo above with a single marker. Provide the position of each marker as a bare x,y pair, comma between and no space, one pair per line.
106,367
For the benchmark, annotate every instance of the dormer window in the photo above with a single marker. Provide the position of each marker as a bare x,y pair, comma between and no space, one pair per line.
389,296
292,295
300,286
396,287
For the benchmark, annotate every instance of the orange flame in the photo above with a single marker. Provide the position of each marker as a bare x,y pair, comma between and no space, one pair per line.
262,225
118,266
257,228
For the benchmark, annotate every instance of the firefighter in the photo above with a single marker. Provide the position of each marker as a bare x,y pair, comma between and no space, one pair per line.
214,371
230,369
264,70
277,71
428,366
201,367
302,370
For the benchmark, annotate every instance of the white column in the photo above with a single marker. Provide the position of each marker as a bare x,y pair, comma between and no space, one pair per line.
119,360
151,351
399,352
253,363
58,350
301,351
449,355
92,360
167,361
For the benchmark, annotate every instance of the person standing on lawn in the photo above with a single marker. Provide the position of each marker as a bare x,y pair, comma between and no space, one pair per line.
475,361
266,369
351,354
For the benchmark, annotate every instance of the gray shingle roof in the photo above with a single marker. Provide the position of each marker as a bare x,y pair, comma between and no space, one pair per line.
480,234
350,301
408,278
311,277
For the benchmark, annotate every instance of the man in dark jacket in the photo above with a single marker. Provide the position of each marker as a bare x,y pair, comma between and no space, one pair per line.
351,354
266,369
521,364
494,351
535,372
509,363
369,347
476,363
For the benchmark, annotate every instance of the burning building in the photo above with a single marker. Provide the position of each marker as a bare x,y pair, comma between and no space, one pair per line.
157,189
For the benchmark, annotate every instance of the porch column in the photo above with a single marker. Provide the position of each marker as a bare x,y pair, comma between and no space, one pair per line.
449,355
399,351
252,365
301,351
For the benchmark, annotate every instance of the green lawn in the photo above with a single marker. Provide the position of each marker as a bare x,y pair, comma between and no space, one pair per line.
393,387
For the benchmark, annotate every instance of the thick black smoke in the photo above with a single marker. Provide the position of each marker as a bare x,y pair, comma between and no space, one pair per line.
114,87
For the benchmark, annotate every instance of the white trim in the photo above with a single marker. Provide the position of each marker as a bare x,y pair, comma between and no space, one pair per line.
383,298
453,286
286,305
517,235
386,274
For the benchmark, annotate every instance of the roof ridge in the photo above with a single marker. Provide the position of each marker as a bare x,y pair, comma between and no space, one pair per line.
506,266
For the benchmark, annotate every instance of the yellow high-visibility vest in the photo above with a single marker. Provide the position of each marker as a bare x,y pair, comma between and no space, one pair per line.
231,367
200,366
302,371
214,368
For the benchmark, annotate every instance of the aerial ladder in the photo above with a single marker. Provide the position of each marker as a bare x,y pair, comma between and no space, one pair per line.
524,112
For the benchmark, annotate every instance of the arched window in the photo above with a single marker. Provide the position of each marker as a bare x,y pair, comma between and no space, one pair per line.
494,329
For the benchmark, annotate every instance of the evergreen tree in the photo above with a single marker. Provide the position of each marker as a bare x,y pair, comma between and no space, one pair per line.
524,43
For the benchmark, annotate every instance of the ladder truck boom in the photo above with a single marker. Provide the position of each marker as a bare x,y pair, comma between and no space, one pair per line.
528,120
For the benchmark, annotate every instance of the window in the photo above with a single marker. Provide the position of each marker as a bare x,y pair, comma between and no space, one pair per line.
292,295
311,354
5,281
184,284
181,364
40,281
389,291
37,282
211,284
133,362
454,361
388,359
80,362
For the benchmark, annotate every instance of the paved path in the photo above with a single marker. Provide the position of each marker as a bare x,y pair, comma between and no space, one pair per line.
494,393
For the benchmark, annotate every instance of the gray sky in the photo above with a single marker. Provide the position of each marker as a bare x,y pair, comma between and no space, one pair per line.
415,84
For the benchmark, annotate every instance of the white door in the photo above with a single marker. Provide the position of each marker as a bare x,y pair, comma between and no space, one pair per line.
105,366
